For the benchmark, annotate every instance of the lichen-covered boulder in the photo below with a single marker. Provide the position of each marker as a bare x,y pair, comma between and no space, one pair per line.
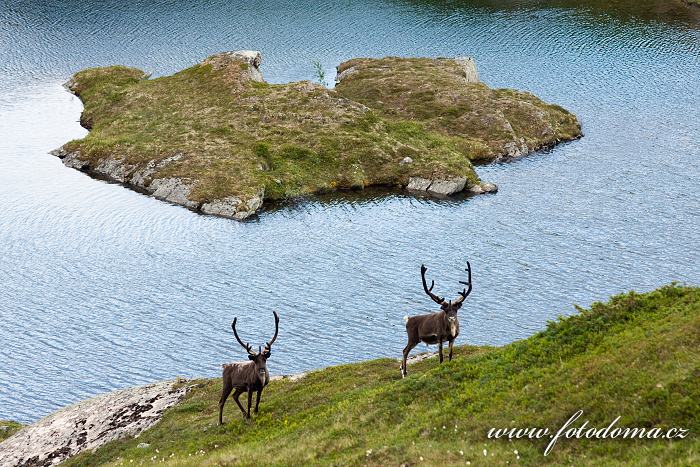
89,424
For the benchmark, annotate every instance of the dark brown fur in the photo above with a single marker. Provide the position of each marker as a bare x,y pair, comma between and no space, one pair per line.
240,377
251,376
438,327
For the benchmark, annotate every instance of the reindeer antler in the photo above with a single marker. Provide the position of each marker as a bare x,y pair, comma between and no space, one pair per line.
429,290
465,292
246,346
268,345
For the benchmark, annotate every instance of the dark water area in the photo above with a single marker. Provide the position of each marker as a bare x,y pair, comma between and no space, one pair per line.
102,287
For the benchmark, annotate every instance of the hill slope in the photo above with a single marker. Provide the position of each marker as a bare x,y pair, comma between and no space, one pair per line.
637,356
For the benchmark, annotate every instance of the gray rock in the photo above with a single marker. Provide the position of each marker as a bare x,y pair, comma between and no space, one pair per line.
513,149
143,445
234,207
174,190
437,187
141,176
489,187
483,188
116,169
344,74
469,66
89,424
447,187
418,184
406,160
252,57
70,159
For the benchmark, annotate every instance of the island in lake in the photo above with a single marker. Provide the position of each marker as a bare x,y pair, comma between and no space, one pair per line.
218,139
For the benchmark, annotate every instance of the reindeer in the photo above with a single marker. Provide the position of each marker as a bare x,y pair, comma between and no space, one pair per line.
247,376
435,328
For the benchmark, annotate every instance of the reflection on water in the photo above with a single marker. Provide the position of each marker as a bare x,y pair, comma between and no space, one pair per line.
104,288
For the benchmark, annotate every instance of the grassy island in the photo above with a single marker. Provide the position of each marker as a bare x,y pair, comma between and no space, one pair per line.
217,138
636,356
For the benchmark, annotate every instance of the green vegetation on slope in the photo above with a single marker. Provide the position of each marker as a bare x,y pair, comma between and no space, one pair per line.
446,97
8,428
637,356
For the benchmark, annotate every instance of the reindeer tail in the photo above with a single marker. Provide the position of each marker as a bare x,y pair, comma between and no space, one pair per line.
405,319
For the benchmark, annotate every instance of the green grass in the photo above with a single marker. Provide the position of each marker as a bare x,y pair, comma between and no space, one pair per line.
636,356
8,428
479,120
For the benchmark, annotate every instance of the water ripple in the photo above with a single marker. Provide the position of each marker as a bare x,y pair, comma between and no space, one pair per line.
104,288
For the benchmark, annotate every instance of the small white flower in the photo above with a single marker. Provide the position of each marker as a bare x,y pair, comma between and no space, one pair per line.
485,453
421,458
368,453
461,453
515,452
443,427
517,457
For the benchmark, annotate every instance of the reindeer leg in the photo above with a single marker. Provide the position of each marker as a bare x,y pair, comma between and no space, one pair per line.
237,393
450,344
411,344
440,350
225,391
257,400
250,400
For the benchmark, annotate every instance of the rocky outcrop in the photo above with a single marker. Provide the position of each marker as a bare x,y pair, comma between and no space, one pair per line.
250,59
444,188
234,207
89,424
172,189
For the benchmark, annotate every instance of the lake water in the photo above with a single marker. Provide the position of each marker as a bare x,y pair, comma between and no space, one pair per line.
103,288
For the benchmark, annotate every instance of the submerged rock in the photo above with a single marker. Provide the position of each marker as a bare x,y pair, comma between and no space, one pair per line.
218,139
89,424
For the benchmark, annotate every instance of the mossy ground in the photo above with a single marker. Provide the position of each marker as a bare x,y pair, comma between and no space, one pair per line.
637,356
8,428
434,93
235,135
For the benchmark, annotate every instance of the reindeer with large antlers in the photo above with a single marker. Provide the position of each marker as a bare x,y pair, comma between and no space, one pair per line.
247,376
438,327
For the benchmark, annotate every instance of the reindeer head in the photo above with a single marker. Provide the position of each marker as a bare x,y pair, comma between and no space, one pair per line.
260,357
450,307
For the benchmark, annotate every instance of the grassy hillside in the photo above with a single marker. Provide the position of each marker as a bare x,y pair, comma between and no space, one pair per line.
637,356
8,428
